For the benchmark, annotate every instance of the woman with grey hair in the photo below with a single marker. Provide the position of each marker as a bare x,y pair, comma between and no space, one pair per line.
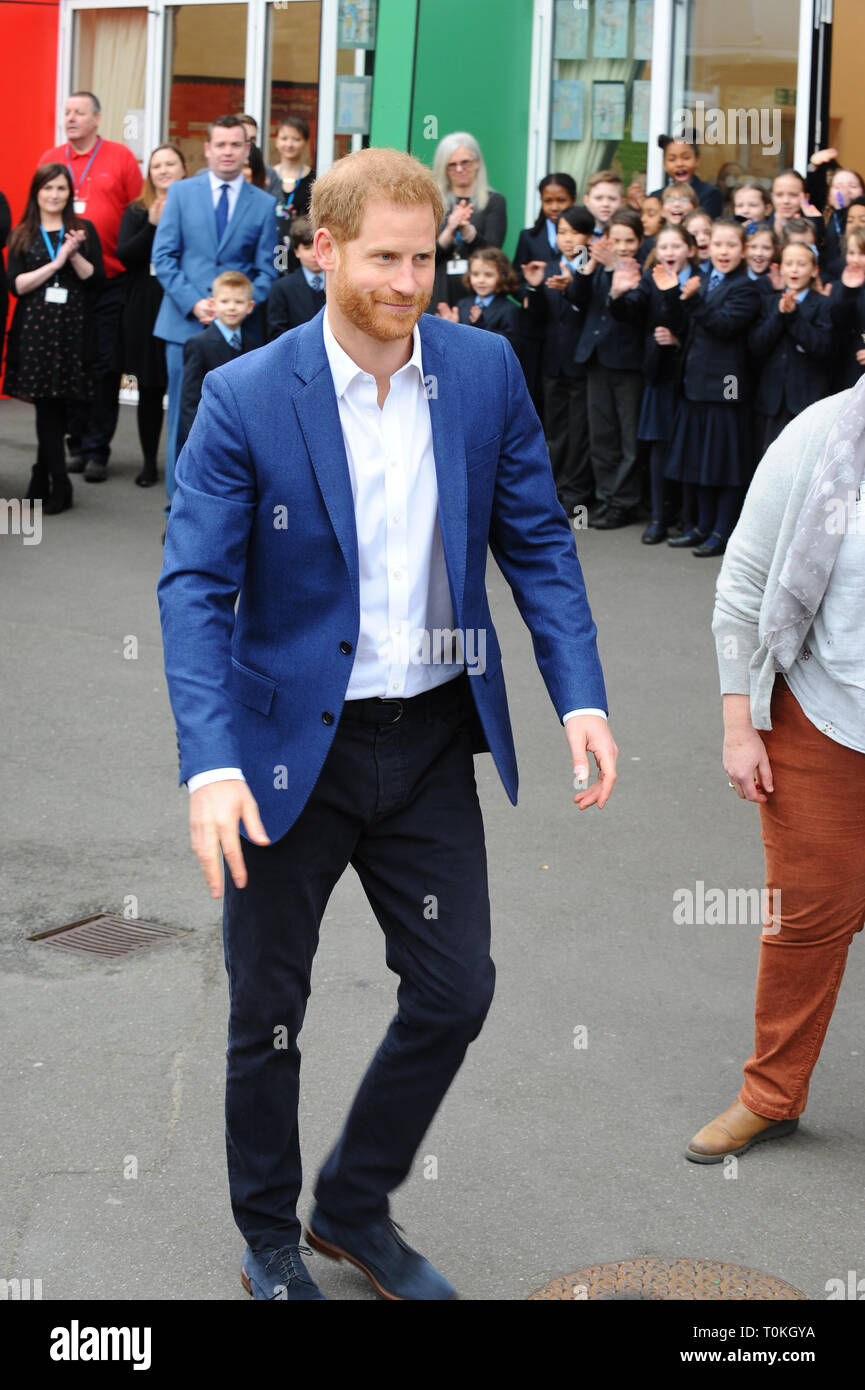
791,652
475,215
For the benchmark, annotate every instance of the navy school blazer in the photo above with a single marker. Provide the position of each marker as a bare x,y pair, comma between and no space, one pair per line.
716,346
795,350
618,343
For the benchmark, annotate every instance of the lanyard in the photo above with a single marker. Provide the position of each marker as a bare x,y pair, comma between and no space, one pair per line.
76,186
52,251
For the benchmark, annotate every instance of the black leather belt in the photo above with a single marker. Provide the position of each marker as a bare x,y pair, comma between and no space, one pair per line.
387,710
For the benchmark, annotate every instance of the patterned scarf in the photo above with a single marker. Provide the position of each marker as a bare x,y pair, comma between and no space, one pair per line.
818,534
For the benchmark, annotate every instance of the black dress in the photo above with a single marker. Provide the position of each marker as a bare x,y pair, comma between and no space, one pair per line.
288,207
50,345
492,225
141,355
5,228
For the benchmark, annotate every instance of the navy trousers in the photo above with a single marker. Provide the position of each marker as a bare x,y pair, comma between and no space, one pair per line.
397,800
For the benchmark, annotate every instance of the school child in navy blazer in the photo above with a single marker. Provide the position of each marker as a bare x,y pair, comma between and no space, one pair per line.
699,224
793,336
559,323
538,243
220,342
656,300
832,259
681,158
613,354
297,297
789,199
491,278
847,309
751,205
763,259
710,452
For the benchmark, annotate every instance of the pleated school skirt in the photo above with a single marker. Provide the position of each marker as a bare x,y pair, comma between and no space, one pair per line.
710,445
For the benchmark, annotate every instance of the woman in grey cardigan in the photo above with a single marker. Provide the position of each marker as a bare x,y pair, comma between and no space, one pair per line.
790,639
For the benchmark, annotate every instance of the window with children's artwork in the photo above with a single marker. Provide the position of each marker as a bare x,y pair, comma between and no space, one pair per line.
601,80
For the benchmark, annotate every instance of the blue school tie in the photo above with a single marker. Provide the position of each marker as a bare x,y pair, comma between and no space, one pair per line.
714,280
222,211
234,340
318,282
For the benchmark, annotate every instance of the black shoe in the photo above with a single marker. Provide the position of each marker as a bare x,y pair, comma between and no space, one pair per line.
654,533
60,498
714,545
613,518
95,471
75,464
688,539
148,475
40,484
596,514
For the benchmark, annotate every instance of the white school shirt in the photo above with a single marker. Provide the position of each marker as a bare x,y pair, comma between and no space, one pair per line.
404,593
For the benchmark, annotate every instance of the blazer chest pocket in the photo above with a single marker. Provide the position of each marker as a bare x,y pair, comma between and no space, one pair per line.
483,454
252,689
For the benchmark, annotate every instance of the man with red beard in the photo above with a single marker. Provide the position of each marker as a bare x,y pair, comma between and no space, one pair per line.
333,667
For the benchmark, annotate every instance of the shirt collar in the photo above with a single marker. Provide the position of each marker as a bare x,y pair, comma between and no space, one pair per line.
344,369
216,182
227,333
484,299
802,293
310,275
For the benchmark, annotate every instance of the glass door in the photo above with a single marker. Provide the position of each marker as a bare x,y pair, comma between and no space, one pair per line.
291,85
205,72
109,58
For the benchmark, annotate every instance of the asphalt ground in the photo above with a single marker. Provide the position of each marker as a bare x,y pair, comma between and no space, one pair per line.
555,1149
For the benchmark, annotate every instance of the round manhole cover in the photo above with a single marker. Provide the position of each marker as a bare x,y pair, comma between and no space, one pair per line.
668,1279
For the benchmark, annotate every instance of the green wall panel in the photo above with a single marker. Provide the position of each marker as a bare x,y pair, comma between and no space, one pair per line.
392,86
473,72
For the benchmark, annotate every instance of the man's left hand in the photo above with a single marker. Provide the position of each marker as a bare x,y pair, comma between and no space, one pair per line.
589,733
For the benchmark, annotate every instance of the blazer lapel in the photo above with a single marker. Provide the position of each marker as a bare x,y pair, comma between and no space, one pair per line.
318,413
208,211
448,434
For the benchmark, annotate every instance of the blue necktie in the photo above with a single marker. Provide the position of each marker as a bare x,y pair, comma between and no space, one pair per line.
235,341
318,282
222,212
714,280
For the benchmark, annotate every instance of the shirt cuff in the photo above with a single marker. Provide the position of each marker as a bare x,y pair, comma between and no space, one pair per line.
572,712
219,774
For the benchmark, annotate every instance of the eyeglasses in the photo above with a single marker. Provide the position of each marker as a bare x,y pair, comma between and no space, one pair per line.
460,164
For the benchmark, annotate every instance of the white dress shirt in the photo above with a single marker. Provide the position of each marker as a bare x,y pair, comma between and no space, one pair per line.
406,616
234,188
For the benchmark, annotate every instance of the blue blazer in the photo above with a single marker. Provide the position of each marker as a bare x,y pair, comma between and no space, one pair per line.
264,510
188,257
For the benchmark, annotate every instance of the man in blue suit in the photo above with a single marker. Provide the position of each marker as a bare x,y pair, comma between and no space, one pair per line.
215,223
332,667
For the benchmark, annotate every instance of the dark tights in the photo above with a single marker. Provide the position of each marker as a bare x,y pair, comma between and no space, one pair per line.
150,419
711,509
50,429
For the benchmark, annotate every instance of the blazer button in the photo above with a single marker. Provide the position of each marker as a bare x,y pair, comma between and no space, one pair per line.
327,717
345,648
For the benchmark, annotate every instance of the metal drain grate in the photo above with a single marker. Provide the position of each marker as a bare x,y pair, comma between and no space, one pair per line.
107,935
668,1280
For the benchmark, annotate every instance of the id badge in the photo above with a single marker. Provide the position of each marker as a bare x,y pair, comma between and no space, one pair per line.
56,294
79,206
457,267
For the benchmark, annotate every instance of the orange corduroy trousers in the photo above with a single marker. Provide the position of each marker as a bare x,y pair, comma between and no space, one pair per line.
814,836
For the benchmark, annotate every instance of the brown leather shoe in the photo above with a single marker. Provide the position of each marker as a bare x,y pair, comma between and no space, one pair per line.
733,1132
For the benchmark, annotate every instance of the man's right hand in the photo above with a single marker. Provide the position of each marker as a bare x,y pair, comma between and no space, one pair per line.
215,812
204,310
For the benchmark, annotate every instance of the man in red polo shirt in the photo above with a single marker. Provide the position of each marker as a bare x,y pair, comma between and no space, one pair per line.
106,179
